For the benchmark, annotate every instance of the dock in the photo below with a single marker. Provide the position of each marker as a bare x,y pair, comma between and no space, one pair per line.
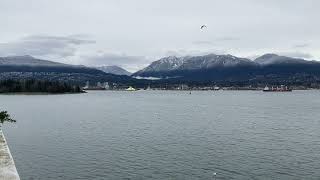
8,170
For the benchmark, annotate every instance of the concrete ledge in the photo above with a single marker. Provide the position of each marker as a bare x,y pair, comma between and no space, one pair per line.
8,169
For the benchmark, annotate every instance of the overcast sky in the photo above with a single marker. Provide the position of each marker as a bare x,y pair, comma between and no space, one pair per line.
132,33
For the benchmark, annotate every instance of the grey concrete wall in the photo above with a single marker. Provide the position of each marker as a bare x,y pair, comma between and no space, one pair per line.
8,169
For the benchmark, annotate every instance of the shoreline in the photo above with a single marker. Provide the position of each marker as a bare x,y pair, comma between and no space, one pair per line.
40,93
120,90
139,90
8,169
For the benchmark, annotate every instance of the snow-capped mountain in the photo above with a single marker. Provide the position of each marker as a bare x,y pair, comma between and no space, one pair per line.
269,59
114,70
173,63
214,67
164,64
212,61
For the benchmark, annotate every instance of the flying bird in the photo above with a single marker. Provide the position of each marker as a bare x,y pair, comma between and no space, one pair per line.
203,26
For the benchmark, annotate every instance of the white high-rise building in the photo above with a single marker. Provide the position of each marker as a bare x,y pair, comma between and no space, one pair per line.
106,85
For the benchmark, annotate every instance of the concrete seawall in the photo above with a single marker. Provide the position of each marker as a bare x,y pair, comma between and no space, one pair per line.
8,169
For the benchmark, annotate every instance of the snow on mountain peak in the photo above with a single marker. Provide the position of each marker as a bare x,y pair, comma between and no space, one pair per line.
195,62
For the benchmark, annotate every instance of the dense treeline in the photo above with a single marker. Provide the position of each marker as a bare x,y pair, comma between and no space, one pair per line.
15,86
72,78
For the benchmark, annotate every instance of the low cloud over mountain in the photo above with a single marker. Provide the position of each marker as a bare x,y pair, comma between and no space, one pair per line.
114,70
129,62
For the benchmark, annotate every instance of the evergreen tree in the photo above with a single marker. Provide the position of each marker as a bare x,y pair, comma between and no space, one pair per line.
5,117
8,86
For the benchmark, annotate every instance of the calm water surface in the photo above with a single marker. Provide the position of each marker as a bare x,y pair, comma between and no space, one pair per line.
165,135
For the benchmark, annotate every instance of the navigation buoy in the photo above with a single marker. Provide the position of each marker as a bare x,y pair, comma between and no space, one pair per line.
214,175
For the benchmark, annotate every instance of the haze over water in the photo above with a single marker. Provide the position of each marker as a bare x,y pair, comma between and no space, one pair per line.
165,135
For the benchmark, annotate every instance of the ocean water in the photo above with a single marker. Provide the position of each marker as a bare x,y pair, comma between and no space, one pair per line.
165,135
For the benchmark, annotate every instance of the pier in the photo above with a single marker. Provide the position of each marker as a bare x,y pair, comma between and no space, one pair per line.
8,170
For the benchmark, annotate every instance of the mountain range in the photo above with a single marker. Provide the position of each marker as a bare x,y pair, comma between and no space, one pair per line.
212,67
28,67
173,63
266,69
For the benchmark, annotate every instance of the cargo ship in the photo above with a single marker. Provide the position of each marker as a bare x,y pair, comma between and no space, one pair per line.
282,88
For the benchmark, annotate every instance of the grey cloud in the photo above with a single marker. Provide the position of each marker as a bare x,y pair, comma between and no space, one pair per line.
40,45
150,28
297,54
227,39
128,62
301,45
202,43
61,39
252,57
294,54
215,41
182,52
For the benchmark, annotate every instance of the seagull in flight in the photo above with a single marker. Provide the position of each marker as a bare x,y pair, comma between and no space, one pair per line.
203,26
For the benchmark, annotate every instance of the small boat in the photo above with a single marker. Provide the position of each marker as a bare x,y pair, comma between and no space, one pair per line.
216,88
266,89
130,89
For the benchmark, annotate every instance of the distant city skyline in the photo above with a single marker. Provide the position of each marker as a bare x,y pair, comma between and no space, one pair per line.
131,34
